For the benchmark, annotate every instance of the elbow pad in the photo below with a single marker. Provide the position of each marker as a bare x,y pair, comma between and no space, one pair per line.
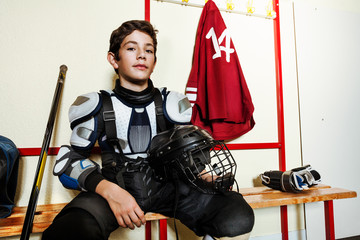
71,170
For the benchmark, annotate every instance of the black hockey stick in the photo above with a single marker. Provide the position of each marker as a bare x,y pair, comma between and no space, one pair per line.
29,217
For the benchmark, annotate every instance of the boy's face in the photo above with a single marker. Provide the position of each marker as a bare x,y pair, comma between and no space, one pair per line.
136,60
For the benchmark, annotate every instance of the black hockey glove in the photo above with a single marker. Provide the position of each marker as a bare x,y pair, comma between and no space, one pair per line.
295,180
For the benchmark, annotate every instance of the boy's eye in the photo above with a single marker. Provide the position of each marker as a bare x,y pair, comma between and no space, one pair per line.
130,49
149,51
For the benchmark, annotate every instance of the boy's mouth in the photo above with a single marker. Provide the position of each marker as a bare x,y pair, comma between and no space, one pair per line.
140,66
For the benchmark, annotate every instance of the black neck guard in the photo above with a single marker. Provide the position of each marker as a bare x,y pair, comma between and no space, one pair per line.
133,97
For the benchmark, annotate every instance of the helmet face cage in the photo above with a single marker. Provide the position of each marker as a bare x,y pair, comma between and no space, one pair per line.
210,168
196,158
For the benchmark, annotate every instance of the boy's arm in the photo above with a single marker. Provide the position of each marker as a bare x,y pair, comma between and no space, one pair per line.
122,203
81,173
75,170
73,166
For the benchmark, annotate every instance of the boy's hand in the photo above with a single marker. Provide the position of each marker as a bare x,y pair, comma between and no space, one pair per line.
207,176
123,205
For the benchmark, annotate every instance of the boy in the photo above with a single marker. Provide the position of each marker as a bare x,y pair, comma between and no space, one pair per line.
124,121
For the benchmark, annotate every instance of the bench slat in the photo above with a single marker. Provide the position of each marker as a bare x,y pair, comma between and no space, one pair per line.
266,190
257,197
281,199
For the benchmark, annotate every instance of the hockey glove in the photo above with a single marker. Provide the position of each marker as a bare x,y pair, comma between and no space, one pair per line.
295,180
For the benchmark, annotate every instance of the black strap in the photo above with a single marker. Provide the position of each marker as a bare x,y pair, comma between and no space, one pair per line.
162,123
286,185
278,180
160,118
108,115
176,181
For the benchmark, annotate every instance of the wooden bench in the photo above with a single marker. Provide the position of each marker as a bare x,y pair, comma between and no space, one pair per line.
257,197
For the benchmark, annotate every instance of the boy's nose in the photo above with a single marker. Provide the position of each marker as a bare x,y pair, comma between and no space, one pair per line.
141,55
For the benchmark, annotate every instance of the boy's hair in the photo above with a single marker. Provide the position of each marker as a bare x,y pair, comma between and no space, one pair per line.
119,34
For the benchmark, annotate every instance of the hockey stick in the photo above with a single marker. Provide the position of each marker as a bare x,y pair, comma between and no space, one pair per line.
29,217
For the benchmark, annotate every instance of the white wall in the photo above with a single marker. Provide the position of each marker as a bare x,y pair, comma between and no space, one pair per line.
328,59
38,36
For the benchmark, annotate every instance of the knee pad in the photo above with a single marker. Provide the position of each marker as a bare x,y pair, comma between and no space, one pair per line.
245,236
240,217
74,224
235,216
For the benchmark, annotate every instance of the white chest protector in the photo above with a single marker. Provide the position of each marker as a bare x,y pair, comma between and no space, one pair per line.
135,125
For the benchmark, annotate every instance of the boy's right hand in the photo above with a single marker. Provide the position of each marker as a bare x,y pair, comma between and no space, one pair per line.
122,203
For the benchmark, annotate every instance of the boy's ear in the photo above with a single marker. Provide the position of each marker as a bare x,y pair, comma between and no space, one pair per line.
112,60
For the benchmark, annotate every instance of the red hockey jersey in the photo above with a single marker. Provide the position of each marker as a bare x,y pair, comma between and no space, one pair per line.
216,86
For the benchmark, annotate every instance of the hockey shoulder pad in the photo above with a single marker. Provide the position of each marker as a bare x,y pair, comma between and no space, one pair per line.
84,107
82,120
72,168
177,107
295,180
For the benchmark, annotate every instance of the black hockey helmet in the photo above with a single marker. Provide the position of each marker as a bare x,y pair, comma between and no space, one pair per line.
190,154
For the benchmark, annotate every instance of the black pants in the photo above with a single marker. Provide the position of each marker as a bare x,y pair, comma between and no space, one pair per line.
89,216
